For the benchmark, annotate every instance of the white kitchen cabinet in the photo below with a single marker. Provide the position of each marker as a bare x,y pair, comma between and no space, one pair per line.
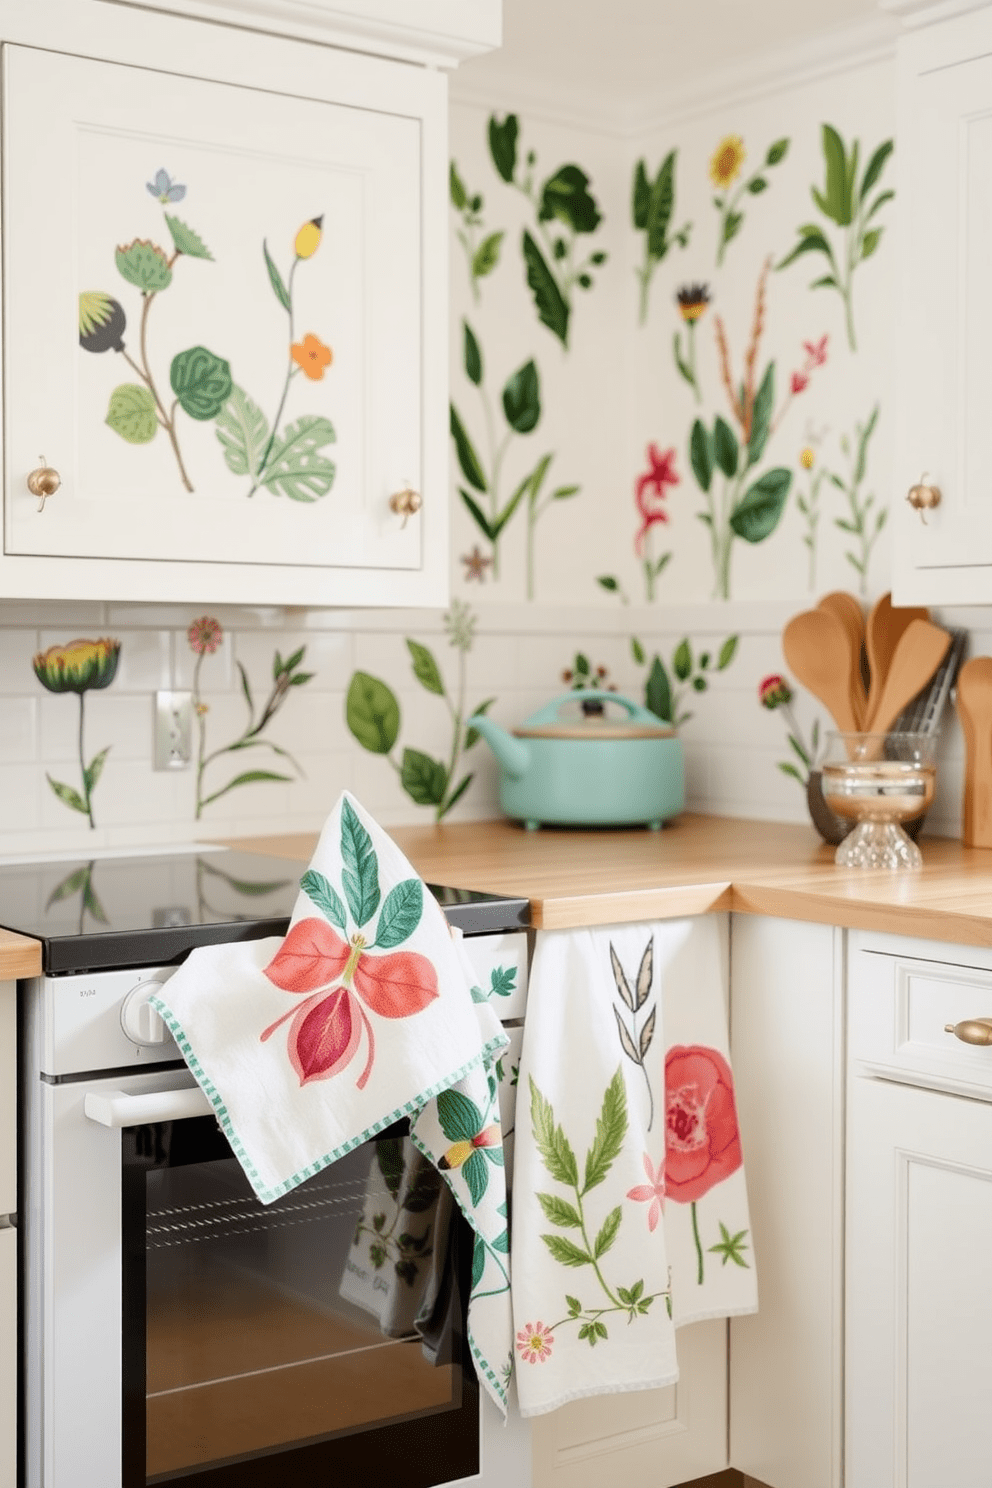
8,1358
8,1098
919,1230
944,225
238,397
787,1042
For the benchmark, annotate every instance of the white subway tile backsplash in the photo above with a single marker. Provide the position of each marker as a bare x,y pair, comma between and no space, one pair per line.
18,729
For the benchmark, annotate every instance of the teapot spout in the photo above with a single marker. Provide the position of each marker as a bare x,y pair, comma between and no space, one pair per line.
512,754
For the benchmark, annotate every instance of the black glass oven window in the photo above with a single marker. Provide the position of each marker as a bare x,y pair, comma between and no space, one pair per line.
331,1320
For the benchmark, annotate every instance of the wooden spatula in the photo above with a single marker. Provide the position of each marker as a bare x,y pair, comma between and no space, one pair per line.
849,613
817,650
918,653
974,706
882,633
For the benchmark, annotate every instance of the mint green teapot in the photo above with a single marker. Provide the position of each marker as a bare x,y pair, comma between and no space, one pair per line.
579,762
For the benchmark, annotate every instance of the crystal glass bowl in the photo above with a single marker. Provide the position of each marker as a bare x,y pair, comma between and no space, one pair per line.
878,781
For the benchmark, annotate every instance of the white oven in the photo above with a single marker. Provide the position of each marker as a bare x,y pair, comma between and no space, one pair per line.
178,1331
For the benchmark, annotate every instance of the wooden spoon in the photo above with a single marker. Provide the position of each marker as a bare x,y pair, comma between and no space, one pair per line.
849,613
918,653
974,705
817,650
882,633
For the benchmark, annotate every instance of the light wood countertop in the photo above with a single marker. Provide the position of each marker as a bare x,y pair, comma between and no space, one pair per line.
19,956
696,864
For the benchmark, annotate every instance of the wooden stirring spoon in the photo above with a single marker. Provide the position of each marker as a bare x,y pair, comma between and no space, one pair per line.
849,613
817,650
918,653
974,705
882,633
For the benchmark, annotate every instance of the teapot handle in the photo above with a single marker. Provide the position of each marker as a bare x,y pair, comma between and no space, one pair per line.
549,713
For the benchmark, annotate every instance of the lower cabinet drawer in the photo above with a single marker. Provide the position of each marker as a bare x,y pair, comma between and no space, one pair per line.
904,1007
500,964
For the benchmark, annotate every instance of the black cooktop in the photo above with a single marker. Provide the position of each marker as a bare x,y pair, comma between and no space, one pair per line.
152,910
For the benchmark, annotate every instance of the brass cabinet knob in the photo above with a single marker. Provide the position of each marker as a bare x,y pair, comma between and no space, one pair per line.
406,503
924,496
972,1030
43,482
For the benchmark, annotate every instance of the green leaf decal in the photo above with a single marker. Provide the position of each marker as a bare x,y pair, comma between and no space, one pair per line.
132,413
295,467
777,152
144,264
875,166
249,777
460,1118
836,204
465,450
424,779
871,242
611,1129
425,668
275,279
472,734
640,197
565,196
565,1252
186,240
476,1174
503,145
701,454
400,914
682,661
552,1143
243,430
486,256
201,382
473,356
559,1212
360,875
456,189
660,208
727,652
522,399
725,447
67,795
759,510
658,692
761,416
372,713
608,1233
478,515
94,769
551,308
324,895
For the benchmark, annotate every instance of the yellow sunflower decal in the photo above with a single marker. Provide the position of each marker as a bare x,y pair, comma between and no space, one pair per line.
725,166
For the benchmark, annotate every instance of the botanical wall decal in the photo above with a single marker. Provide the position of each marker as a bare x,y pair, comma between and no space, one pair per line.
665,688
565,212
652,209
482,255
774,692
692,300
521,409
80,667
372,712
808,505
726,165
204,637
865,519
844,200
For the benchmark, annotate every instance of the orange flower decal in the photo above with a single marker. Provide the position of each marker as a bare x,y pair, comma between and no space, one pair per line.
311,356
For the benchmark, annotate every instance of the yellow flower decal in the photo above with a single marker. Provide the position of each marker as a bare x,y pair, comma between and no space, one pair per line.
725,166
807,458
308,238
311,356
79,666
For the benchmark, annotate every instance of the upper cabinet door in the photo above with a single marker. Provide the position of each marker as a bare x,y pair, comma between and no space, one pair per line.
944,553
220,328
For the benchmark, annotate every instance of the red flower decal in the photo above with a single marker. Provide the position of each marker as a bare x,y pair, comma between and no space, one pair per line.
652,488
702,1141
800,382
326,1031
816,351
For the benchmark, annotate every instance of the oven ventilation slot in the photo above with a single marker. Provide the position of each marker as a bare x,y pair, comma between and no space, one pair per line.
221,1218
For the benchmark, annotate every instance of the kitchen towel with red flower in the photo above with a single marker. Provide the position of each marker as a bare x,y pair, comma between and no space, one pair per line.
629,1210
365,1013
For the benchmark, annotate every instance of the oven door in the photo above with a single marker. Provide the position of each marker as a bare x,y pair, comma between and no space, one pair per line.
178,1330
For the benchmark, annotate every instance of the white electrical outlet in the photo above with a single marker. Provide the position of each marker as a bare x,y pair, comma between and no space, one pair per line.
173,730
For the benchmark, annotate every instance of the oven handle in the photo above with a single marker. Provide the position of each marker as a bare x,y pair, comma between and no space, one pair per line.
114,1108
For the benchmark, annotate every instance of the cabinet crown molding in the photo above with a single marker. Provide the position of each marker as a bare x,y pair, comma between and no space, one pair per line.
915,13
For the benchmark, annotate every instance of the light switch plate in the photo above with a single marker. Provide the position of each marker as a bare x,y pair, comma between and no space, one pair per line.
173,730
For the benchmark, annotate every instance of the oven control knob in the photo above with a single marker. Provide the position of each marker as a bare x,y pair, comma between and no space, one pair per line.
140,1021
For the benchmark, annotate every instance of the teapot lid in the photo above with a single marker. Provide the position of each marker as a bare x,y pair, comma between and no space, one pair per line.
584,715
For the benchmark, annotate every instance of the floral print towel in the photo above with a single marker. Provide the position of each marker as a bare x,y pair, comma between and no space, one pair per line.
629,1206
364,1013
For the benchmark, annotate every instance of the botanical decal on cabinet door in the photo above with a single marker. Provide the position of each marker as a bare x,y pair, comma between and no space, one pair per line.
652,209
204,637
338,979
80,667
286,462
702,1140
565,213
372,713
845,202
726,166
521,409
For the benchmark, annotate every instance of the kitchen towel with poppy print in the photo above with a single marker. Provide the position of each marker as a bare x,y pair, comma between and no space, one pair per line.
363,1014
629,1206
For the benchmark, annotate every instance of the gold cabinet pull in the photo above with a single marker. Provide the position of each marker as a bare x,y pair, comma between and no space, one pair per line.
972,1030
43,482
924,496
406,503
